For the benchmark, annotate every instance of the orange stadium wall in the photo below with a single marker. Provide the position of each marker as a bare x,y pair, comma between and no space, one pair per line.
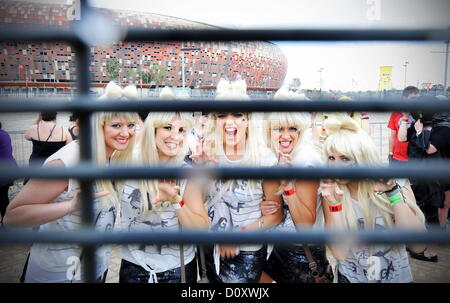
262,64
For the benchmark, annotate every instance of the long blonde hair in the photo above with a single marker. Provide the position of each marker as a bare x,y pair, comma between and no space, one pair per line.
253,138
347,138
116,93
118,157
147,152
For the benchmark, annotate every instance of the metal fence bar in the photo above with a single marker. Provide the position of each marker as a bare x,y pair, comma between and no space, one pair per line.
81,106
86,153
438,171
92,237
51,34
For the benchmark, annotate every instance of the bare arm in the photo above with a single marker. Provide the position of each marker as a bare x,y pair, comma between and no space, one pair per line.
193,215
405,216
32,207
392,141
334,221
68,136
431,149
28,133
302,205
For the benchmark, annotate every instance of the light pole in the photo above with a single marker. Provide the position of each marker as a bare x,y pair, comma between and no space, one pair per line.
321,82
445,64
54,72
405,66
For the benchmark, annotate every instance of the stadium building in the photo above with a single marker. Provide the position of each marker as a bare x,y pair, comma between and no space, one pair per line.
261,64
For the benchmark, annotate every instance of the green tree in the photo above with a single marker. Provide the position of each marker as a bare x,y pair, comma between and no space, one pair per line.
131,75
145,76
158,74
112,68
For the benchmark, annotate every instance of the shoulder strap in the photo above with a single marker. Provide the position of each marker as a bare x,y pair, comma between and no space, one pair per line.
182,266
312,263
202,261
51,132
39,137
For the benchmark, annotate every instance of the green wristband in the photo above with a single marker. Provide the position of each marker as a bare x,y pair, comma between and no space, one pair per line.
395,199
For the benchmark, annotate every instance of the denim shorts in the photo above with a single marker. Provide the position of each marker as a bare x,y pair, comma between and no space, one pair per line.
132,273
246,267
288,263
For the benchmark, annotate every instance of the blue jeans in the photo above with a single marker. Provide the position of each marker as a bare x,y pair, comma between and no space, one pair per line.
246,267
132,273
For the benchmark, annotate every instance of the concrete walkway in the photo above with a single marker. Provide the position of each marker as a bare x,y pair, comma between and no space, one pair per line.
12,259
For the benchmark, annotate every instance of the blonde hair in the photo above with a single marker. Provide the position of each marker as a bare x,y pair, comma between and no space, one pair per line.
288,119
147,151
347,138
112,92
122,157
254,140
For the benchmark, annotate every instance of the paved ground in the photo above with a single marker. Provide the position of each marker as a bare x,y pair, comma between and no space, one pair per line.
12,259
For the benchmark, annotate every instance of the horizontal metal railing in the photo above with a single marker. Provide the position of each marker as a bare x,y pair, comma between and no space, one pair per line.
92,237
52,35
437,170
82,106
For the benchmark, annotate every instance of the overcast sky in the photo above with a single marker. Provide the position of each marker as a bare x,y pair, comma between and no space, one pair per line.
346,66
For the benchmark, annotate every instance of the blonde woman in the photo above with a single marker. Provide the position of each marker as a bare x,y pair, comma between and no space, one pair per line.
161,205
289,140
55,204
351,205
235,139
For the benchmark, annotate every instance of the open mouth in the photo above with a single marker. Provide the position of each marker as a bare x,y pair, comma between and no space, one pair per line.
231,132
122,141
171,146
285,144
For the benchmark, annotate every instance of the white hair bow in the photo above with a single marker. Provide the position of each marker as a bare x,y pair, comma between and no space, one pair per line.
114,91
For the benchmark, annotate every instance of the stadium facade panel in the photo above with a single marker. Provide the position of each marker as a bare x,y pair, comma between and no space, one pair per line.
262,64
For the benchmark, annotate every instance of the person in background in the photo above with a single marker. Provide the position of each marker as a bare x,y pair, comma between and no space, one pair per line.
47,138
6,157
74,129
398,151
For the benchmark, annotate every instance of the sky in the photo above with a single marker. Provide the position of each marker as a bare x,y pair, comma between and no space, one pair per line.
345,66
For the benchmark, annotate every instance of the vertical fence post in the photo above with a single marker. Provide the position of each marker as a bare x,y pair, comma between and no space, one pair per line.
87,209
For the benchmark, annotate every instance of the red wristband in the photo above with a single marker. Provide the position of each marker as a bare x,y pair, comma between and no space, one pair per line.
178,205
335,208
405,120
289,192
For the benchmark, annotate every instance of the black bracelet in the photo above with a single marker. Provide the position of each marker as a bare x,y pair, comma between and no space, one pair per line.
396,186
